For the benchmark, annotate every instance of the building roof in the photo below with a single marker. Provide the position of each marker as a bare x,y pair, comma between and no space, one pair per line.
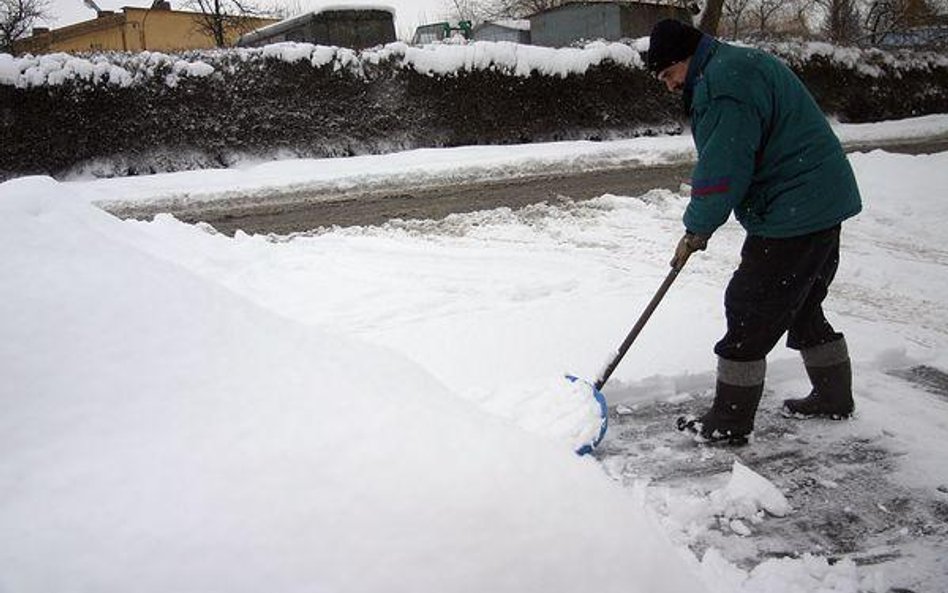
367,7
518,24
570,3
41,41
104,20
302,19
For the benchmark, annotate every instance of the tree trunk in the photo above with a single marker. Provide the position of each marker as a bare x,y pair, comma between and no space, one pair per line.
711,17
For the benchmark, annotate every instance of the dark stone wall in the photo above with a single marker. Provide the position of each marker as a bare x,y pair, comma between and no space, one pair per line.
263,107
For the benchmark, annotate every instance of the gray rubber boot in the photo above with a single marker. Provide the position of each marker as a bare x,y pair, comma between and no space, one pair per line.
739,388
830,372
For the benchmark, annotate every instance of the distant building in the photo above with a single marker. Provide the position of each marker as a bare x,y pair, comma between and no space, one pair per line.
434,32
134,29
932,37
586,21
356,28
517,31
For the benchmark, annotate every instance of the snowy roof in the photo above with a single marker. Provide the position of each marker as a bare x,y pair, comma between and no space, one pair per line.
518,24
281,26
573,3
340,7
300,19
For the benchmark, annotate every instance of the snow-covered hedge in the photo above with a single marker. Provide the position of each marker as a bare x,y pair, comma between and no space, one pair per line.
863,85
126,70
129,113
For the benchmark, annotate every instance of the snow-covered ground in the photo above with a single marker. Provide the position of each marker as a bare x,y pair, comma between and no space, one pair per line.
382,408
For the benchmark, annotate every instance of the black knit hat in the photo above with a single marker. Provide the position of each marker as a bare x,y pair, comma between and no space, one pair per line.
671,41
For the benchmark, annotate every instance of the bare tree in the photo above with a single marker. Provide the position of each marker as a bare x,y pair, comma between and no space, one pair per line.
884,17
841,24
759,19
17,17
799,19
473,11
734,14
763,14
481,10
286,9
519,8
222,19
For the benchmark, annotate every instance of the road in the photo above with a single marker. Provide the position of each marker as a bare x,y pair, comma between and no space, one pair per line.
847,498
288,213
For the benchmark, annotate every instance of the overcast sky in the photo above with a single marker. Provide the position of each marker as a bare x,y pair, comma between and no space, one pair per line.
408,13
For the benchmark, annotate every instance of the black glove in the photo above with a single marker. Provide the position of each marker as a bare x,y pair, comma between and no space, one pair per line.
687,245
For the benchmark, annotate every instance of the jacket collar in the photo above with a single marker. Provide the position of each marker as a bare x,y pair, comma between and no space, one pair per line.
704,51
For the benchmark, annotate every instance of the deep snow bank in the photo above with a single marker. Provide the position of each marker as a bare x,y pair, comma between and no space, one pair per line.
160,433
117,114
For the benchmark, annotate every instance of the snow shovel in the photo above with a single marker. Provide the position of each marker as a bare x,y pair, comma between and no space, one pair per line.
607,371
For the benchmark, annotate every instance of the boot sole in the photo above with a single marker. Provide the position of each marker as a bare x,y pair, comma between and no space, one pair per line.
684,424
728,441
801,416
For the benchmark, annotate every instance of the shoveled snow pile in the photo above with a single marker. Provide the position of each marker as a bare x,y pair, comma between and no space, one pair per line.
561,409
737,506
161,433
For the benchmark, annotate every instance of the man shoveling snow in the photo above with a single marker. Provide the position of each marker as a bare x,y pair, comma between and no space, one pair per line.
765,152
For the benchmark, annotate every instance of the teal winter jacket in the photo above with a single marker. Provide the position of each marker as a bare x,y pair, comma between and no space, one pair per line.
765,150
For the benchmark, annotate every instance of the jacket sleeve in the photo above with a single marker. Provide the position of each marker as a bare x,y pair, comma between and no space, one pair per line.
727,136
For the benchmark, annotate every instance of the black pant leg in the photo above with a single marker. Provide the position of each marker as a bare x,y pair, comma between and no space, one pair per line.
809,327
770,287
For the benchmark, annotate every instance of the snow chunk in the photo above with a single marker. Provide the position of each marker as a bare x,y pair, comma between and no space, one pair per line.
321,55
808,573
289,51
184,68
200,69
9,69
739,527
785,575
747,492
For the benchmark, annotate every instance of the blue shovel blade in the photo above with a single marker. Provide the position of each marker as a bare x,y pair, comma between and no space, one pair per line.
586,448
